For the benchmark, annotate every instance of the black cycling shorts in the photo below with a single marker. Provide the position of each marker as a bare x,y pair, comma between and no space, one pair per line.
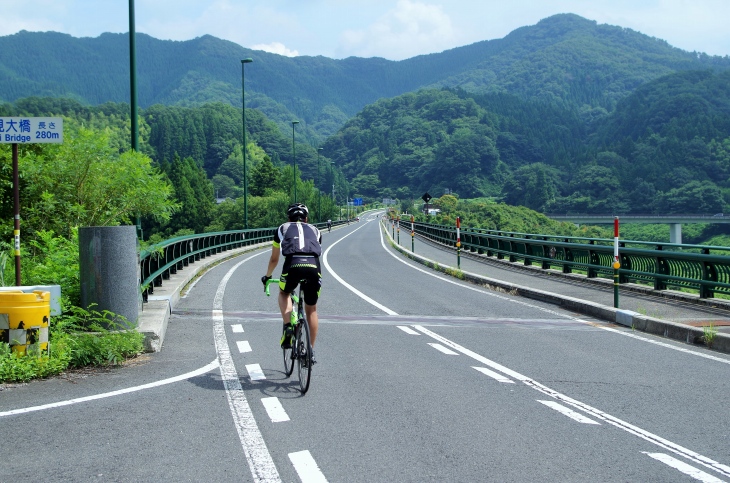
299,268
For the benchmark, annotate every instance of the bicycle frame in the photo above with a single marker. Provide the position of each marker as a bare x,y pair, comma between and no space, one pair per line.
301,349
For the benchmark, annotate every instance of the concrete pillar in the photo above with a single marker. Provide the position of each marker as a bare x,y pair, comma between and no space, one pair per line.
109,270
675,233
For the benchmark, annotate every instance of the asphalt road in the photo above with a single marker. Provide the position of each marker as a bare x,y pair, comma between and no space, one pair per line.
420,377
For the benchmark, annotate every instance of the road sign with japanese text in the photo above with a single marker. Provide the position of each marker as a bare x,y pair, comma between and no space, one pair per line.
31,130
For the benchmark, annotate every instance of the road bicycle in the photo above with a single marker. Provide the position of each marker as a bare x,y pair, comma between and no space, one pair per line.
300,350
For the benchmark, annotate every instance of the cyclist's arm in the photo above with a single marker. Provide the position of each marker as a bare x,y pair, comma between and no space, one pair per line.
274,259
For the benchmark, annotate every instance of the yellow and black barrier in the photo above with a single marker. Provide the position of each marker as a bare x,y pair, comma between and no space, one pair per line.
24,319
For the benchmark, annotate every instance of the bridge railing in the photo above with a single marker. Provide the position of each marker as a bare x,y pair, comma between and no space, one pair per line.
701,269
163,259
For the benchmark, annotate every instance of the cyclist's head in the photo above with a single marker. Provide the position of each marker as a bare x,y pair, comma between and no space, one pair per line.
297,212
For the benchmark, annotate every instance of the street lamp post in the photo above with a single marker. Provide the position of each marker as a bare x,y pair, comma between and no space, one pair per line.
319,192
245,168
294,155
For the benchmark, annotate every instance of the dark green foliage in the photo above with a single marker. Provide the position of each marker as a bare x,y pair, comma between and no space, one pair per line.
563,59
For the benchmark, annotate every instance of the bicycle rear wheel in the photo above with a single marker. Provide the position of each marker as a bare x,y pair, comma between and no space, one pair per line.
304,354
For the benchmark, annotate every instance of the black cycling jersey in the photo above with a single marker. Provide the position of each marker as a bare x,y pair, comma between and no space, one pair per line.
298,238
300,243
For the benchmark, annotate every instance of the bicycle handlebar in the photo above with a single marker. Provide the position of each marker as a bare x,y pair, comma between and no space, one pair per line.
269,282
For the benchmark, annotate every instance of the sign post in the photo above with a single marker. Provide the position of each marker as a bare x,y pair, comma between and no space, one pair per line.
413,235
26,130
616,262
458,242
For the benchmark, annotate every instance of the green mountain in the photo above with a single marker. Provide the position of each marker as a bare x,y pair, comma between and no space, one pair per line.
665,149
564,58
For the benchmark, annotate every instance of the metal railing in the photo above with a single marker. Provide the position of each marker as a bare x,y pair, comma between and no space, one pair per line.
163,259
699,268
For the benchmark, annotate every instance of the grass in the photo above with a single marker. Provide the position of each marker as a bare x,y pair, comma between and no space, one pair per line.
710,333
81,338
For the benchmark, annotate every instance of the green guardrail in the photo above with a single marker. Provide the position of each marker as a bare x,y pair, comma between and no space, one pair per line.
163,259
702,269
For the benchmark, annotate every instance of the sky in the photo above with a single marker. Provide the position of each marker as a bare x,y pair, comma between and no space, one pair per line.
395,29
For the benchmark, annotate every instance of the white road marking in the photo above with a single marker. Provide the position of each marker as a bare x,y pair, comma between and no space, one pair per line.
407,330
494,375
549,311
350,287
237,328
128,390
306,467
568,412
684,468
254,447
274,409
255,372
443,349
243,346
596,413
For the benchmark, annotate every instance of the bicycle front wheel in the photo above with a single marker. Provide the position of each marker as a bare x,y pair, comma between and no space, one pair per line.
304,354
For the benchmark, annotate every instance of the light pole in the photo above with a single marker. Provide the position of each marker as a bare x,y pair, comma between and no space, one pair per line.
294,155
245,170
319,192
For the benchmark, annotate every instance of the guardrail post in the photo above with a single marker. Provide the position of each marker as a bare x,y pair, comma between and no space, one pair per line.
616,263
397,223
413,235
458,242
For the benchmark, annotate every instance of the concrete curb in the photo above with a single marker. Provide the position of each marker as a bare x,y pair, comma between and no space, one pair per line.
628,318
155,314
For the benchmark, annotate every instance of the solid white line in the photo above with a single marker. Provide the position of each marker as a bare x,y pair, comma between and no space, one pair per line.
306,467
350,287
684,468
407,330
443,349
255,372
243,346
254,447
598,414
274,409
237,328
549,311
568,412
494,375
128,390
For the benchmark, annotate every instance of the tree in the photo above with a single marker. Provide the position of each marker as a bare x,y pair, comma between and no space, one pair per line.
86,182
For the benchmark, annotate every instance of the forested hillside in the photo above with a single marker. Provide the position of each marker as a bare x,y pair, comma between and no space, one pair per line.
564,59
665,149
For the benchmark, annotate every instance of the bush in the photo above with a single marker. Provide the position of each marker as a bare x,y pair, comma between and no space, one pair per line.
78,339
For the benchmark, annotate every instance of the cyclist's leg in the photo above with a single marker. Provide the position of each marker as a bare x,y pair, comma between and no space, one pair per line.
313,319
312,290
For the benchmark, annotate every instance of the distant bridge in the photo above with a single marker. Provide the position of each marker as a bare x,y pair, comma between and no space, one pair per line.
674,221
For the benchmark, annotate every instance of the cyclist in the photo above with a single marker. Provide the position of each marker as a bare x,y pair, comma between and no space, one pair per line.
329,226
301,245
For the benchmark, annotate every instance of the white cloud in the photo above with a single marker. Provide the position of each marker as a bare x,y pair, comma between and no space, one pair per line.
409,29
276,48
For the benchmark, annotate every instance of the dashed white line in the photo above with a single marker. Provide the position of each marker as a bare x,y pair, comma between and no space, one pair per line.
568,412
237,328
597,413
494,375
306,467
255,372
254,447
443,349
274,409
407,330
684,468
243,346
